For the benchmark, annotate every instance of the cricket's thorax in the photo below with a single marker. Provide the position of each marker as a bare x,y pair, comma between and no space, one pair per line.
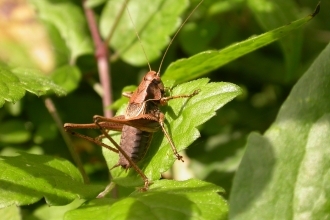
135,143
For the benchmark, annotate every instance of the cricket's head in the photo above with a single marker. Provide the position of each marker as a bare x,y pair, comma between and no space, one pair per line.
155,85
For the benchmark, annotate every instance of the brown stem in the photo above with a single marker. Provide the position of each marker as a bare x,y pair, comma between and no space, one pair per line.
101,54
52,110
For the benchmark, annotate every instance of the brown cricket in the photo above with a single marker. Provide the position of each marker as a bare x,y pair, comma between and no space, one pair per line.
140,121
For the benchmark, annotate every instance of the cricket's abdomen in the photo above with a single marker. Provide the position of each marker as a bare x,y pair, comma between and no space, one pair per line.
135,143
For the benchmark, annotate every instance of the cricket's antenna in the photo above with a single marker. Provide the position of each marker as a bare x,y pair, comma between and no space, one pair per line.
168,47
137,35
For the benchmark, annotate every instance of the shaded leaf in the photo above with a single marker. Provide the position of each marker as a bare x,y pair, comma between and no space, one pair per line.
122,100
67,76
14,132
166,199
284,173
195,37
272,14
155,23
204,62
25,179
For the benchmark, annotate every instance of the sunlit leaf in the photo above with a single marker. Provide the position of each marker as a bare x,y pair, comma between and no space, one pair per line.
284,174
27,178
204,62
155,23
167,199
15,82
11,213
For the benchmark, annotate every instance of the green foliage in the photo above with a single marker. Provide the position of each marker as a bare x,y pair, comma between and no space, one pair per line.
15,82
14,131
270,14
282,174
154,25
57,180
10,213
165,199
284,170
209,60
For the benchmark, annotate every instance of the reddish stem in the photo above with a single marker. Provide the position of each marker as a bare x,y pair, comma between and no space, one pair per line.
102,57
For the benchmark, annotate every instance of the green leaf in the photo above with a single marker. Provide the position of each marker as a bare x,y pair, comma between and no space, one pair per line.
11,213
94,3
284,174
69,19
271,14
154,20
15,82
122,100
204,62
46,212
67,76
166,199
34,82
195,37
182,118
25,179
46,130
10,87
14,132
62,53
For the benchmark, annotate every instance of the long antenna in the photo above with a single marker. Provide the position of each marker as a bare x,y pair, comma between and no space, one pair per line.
137,35
168,47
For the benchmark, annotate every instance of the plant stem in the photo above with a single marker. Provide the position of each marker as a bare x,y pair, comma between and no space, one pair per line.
52,110
101,54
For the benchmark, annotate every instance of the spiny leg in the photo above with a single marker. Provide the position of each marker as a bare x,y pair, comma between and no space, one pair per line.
164,100
161,122
93,140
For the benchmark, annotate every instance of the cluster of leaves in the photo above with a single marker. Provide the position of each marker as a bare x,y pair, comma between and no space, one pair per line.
282,174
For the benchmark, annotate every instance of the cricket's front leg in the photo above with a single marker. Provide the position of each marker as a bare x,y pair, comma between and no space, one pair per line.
161,122
164,100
